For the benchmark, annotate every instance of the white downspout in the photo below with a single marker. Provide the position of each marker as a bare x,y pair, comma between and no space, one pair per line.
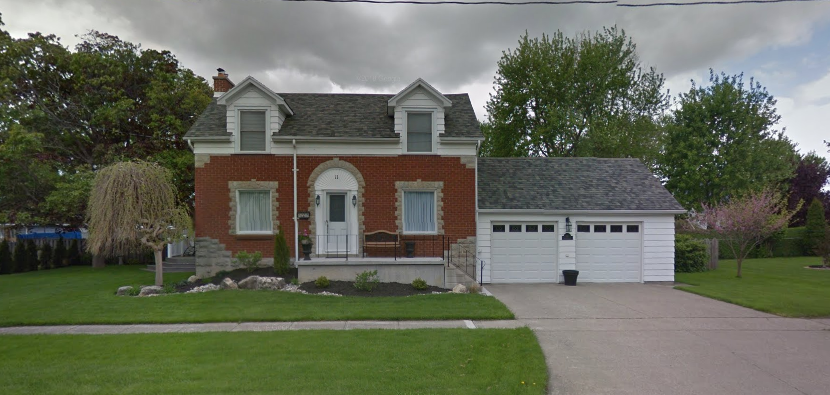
478,267
296,223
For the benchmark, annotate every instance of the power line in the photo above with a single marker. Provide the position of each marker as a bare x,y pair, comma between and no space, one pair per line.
563,2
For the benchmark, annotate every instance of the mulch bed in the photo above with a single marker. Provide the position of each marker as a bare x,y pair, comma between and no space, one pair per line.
818,267
345,288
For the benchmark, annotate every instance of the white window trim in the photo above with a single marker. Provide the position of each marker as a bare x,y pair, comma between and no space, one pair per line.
238,132
434,212
270,214
433,112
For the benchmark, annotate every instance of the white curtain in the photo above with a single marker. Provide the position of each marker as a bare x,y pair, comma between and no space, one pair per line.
254,211
419,132
419,211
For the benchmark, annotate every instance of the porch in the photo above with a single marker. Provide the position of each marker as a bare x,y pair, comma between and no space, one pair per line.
400,270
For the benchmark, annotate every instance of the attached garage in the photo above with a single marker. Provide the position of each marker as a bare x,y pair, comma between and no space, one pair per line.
609,252
611,219
526,252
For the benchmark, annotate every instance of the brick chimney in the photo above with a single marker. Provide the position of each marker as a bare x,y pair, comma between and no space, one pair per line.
221,83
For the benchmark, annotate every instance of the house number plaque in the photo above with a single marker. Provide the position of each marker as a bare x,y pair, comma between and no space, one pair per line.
303,214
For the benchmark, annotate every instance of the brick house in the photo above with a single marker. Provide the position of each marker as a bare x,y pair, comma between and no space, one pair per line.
351,170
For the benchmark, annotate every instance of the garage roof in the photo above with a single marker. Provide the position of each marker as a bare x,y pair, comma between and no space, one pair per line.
570,184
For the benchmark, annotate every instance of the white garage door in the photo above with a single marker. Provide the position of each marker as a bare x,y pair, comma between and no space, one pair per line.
523,253
609,252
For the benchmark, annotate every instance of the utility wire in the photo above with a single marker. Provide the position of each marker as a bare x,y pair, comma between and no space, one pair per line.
563,2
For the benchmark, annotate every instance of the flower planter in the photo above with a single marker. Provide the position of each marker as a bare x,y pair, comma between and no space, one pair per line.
570,276
307,251
410,248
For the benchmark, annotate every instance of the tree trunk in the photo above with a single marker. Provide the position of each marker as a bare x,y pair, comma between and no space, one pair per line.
159,275
740,261
98,262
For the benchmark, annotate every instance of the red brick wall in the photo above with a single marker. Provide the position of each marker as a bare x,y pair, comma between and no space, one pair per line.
379,173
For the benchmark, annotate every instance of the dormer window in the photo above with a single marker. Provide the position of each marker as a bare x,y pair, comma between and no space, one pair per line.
252,131
419,132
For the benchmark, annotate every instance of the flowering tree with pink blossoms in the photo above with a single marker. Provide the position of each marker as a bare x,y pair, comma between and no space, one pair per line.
743,223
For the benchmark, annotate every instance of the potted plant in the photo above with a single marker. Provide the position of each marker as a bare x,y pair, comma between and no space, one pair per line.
305,241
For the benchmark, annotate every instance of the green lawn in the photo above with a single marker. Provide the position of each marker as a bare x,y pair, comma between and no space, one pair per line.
81,295
423,361
780,286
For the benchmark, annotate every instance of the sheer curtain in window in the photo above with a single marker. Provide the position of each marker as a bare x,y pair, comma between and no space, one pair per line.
254,211
419,132
419,211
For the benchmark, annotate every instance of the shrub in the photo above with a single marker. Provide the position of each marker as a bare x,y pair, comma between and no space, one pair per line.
474,288
6,263
419,284
21,263
295,281
690,254
46,256
134,291
73,255
815,226
281,254
31,255
169,288
367,281
249,261
59,256
822,249
321,282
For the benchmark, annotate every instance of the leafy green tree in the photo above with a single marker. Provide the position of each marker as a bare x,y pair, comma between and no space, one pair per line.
815,226
582,96
134,205
31,255
76,111
722,144
46,253
21,259
282,256
59,256
811,175
6,262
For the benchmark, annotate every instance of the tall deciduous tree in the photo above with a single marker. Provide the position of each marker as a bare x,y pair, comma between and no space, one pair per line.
811,175
815,225
722,143
106,100
133,205
582,96
743,223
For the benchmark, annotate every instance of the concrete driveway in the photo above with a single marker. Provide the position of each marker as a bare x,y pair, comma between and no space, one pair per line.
652,339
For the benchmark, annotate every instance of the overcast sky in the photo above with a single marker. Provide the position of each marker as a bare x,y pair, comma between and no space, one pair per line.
324,47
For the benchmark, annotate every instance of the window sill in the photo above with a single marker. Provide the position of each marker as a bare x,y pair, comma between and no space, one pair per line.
420,153
254,236
252,152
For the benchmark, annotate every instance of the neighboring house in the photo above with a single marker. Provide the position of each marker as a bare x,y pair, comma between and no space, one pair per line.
366,174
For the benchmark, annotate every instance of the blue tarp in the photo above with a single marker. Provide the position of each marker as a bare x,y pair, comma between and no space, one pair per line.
52,235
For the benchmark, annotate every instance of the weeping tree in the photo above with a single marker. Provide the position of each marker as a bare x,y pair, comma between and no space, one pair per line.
133,205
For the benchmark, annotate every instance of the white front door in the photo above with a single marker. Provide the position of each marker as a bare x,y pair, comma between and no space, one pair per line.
337,225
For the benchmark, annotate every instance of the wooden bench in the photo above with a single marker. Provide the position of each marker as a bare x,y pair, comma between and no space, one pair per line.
380,239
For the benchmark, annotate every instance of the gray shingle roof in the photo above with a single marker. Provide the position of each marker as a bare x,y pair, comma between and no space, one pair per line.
342,115
570,184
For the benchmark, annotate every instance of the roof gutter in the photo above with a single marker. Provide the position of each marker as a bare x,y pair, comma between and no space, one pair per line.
461,140
571,212
380,140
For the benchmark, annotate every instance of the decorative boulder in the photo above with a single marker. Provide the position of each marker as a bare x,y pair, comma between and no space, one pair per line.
459,289
151,290
227,283
192,279
257,282
124,291
203,288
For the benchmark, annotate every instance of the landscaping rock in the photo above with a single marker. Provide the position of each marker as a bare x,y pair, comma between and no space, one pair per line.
150,290
124,291
204,288
459,289
228,284
257,282
192,279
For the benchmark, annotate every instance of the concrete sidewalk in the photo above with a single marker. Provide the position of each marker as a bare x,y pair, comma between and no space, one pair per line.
250,327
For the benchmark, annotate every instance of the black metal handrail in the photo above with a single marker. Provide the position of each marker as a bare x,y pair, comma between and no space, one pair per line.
342,245
464,259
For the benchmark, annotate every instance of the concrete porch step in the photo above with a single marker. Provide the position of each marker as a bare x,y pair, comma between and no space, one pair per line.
176,264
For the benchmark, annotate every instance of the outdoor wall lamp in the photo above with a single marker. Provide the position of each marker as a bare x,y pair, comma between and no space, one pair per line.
317,200
354,200
568,227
